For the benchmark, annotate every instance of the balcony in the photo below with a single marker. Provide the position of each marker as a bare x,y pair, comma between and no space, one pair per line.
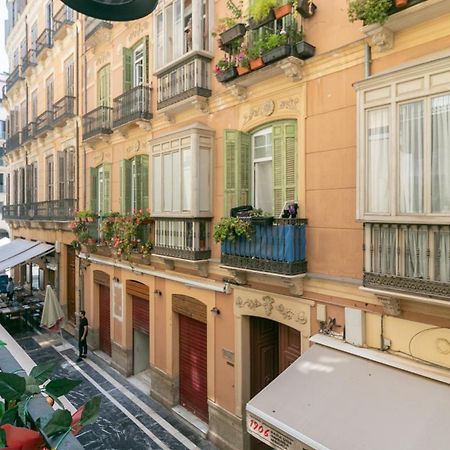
54,210
415,13
186,83
13,142
44,41
183,238
28,132
29,60
132,106
97,30
413,259
63,109
277,248
44,123
13,77
97,122
62,20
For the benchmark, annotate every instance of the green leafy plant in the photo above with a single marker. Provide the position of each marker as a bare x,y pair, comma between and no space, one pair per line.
84,233
369,11
230,228
223,65
85,215
16,424
260,9
236,14
274,40
255,50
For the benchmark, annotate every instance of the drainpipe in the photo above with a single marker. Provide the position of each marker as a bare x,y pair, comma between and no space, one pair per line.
367,60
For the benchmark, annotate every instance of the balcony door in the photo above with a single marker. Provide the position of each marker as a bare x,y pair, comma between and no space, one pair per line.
262,170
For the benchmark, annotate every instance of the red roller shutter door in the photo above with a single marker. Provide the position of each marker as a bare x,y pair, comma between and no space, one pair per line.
193,368
141,315
105,320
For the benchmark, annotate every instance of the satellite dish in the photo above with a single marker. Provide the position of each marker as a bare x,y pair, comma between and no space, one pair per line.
115,10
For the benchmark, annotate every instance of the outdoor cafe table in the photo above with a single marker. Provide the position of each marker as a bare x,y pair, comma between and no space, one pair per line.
20,311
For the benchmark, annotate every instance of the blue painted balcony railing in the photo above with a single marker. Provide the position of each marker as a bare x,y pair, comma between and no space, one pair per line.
275,248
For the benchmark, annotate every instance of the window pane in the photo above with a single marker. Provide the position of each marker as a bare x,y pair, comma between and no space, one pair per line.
440,154
442,250
263,186
187,179
377,185
176,182
159,40
167,180
416,246
411,158
157,194
178,28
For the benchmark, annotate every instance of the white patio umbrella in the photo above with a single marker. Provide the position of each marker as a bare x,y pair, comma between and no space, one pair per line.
52,313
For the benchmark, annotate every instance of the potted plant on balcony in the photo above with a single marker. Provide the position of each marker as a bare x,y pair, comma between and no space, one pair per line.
85,216
261,13
230,28
243,62
275,47
254,55
306,8
369,11
283,9
225,70
232,228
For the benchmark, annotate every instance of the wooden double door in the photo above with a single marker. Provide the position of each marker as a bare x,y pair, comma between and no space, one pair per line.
273,348
105,319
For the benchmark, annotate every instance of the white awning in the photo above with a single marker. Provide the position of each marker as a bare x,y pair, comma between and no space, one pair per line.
333,400
21,252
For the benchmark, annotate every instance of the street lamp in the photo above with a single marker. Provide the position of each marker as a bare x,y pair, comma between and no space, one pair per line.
116,10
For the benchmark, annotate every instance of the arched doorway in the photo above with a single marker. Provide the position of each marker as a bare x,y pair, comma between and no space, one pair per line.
104,302
273,347
192,354
140,301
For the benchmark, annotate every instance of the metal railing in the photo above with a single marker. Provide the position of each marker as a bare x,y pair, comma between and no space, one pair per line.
277,246
97,121
44,122
93,25
132,105
64,108
65,16
13,77
413,258
190,77
28,132
29,60
184,238
13,141
57,210
45,40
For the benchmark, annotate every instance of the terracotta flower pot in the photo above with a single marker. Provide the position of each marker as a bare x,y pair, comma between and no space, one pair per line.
257,63
282,11
243,70
401,3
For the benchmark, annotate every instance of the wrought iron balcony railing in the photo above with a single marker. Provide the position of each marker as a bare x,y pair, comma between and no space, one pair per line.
57,210
278,247
13,77
13,141
65,16
408,258
45,40
44,122
134,104
188,78
97,121
28,132
184,238
92,26
63,109
29,60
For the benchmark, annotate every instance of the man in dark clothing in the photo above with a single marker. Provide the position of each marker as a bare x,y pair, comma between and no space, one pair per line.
82,336
10,289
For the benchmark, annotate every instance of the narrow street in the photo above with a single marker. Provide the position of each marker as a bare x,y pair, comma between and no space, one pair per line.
128,419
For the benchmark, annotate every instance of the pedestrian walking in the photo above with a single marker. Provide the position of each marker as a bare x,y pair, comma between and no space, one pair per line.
10,289
82,335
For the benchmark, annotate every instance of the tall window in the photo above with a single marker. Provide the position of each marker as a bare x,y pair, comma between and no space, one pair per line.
134,184
66,173
50,176
34,105
135,65
138,66
103,86
69,79
262,169
50,93
101,189
34,35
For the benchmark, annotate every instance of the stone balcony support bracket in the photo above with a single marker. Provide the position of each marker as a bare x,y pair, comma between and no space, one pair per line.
292,68
391,305
379,36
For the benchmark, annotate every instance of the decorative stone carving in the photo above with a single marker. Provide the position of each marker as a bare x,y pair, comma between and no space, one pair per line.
292,68
239,276
391,305
137,30
289,104
264,109
144,125
134,147
379,36
239,92
443,346
291,315
201,104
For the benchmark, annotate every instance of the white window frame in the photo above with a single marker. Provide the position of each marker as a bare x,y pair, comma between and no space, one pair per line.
101,190
414,83
264,132
138,66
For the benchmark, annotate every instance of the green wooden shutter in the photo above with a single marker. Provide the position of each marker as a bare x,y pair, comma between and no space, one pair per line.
125,186
146,59
142,181
106,189
127,69
284,163
94,186
237,169
103,86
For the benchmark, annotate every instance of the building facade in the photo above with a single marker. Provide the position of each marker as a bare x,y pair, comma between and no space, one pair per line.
343,145
4,228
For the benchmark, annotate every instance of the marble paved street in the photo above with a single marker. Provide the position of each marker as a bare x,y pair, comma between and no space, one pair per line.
129,419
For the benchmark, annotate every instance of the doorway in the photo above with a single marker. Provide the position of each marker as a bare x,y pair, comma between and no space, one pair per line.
273,347
71,284
105,319
141,334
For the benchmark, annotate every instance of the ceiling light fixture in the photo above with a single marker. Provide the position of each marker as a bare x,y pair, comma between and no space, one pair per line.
115,10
